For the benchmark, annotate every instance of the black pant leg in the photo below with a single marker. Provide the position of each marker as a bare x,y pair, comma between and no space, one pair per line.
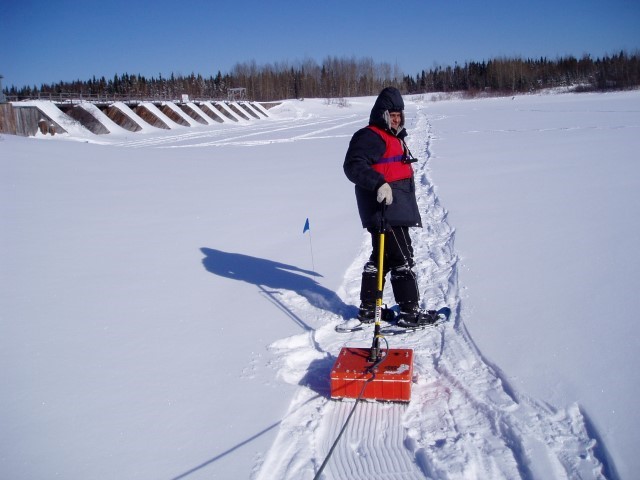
398,259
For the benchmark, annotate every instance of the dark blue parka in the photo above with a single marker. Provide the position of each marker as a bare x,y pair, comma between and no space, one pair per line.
365,148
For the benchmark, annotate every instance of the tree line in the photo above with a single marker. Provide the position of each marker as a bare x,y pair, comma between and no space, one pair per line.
132,86
507,76
348,77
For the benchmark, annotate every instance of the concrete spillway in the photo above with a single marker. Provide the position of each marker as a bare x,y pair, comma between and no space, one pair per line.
48,117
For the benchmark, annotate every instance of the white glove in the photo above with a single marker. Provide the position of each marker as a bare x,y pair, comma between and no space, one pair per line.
385,194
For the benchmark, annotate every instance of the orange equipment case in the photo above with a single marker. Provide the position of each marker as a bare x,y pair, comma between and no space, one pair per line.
392,381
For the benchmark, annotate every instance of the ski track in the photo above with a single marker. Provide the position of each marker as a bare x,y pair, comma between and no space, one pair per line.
310,128
464,420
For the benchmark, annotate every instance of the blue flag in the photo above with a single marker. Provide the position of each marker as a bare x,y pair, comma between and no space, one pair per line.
306,226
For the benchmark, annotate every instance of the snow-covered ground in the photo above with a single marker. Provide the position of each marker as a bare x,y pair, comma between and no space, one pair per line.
160,315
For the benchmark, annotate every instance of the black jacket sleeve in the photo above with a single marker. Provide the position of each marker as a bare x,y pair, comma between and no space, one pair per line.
365,148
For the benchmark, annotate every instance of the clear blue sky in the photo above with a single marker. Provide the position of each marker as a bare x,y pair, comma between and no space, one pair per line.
46,42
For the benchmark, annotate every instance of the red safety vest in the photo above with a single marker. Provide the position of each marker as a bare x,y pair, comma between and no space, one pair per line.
390,164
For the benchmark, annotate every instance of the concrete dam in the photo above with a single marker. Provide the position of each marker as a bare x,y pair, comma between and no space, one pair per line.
28,118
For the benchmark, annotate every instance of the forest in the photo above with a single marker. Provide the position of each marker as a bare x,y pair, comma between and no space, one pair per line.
340,77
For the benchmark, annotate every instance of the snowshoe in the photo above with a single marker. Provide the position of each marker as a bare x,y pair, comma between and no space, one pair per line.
365,317
414,322
351,325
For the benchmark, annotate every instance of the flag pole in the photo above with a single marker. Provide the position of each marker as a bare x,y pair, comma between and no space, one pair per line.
305,229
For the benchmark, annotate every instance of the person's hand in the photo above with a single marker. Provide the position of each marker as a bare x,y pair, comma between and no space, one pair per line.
385,194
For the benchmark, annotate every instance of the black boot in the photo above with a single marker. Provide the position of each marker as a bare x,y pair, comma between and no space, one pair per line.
412,316
367,313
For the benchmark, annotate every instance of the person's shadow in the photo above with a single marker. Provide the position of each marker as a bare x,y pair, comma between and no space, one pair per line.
270,277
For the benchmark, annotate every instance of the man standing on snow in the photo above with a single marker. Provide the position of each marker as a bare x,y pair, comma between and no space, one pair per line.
378,162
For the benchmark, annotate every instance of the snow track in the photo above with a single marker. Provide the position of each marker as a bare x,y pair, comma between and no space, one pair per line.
375,446
464,420
270,132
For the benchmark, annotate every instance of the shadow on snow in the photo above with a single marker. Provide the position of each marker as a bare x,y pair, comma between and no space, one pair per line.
272,278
